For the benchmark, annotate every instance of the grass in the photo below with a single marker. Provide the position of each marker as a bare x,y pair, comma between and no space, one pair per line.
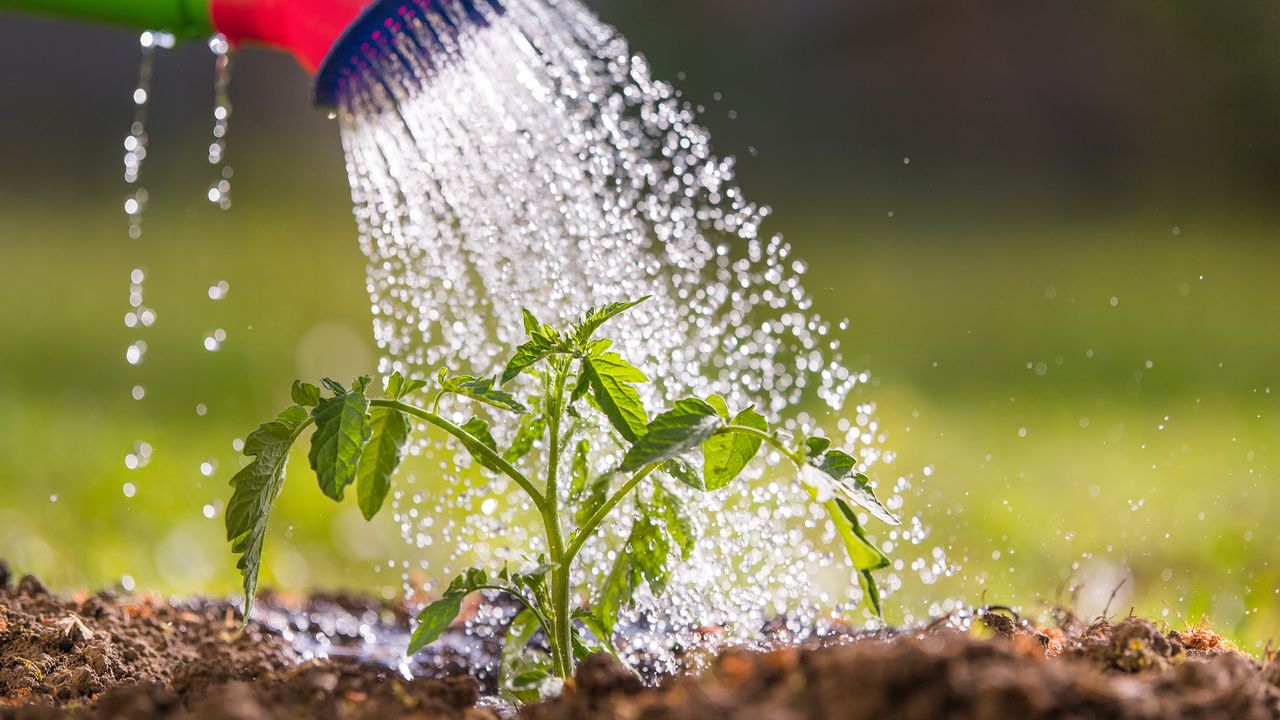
1058,455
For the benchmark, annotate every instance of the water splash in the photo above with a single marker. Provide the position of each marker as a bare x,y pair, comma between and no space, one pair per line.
532,160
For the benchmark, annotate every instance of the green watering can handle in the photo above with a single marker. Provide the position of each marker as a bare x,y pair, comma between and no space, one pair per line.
183,18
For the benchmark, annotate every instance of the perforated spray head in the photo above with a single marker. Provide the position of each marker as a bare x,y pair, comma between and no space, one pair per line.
344,42
384,33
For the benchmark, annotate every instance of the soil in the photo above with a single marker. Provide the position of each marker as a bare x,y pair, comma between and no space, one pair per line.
108,656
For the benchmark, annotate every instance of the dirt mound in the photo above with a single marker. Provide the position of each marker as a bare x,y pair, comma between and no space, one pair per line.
1125,671
66,651
129,658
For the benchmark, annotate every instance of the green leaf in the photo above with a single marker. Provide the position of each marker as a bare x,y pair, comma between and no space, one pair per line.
815,446
580,470
479,429
342,429
380,458
725,456
870,591
436,617
531,324
531,430
685,471
520,670
838,464
480,390
679,526
611,379
644,559
543,341
593,318
862,552
396,387
722,408
433,621
673,433
586,492
830,475
305,394
256,488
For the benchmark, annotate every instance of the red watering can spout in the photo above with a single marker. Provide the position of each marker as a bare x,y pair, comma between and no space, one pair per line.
305,28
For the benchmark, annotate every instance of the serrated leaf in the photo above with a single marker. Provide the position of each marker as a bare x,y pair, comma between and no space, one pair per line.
593,318
725,456
543,341
305,394
531,430
396,386
342,429
853,489
863,554
521,670
580,469
685,470
436,617
722,408
531,324
480,390
678,524
838,464
644,559
479,429
870,591
433,621
815,446
612,384
672,433
256,487
380,458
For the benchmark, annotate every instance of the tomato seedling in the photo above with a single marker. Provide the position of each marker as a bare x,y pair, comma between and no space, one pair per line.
361,440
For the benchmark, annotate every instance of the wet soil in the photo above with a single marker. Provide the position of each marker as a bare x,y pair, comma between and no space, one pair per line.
127,657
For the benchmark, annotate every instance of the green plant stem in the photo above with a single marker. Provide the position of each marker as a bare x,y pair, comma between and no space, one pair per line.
473,444
766,437
582,534
562,642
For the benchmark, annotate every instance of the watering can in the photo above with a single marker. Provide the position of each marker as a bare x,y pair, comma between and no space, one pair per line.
327,37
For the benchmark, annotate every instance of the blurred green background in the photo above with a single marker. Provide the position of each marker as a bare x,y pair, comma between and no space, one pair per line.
1052,226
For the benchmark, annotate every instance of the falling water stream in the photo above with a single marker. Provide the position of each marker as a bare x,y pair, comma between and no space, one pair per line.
534,161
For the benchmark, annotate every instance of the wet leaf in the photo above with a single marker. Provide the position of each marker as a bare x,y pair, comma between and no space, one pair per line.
726,455
305,394
436,617
679,526
815,446
380,458
673,433
594,318
481,390
479,429
256,488
612,381
686,470
531,430
396,386
521,670
830,478
644,559
342,429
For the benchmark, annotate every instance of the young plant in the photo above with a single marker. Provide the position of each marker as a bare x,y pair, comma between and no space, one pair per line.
698,442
